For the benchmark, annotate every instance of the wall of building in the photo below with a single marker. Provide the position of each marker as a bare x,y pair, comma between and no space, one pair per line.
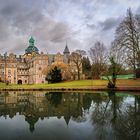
30,68
8,69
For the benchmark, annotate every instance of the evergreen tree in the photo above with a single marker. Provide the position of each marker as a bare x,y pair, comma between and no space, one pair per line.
54,76
55,98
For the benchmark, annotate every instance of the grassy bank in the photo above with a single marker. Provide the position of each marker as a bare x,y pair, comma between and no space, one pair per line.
73,84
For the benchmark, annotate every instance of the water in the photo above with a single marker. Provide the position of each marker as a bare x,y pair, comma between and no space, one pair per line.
69,116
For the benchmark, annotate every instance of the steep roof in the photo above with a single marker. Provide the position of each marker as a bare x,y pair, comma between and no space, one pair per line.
66,50
31,48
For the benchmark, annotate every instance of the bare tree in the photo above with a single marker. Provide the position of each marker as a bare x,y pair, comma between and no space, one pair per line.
119,56
81,52
76,62
128,38
98,54
116,53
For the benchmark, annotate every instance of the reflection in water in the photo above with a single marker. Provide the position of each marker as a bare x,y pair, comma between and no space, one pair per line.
87,116
54,98
129,121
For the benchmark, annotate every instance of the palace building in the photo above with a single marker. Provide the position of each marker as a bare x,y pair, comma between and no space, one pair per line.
31,67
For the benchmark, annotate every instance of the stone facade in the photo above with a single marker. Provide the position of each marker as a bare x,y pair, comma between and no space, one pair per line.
38,105
29,68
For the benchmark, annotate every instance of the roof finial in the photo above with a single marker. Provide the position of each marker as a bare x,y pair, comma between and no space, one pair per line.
31,41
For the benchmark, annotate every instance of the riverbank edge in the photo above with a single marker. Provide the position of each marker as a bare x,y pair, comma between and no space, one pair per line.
74,89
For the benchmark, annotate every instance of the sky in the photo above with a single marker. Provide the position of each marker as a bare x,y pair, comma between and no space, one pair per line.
53,23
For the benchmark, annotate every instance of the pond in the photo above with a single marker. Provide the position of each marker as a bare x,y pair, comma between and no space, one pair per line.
69,116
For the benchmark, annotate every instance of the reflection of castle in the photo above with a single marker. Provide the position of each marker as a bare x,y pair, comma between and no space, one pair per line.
35,105
29,68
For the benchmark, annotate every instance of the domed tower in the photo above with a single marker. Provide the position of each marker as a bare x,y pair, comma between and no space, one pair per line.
31,48
66,54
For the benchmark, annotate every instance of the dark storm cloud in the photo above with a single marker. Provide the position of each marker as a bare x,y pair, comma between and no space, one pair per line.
109,23
18,16
21,14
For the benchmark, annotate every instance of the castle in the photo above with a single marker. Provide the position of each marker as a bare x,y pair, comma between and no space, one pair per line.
40,105
30,67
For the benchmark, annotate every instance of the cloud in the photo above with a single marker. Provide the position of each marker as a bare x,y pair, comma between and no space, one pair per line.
53,22
4,30
19,20
91,26
109,23
138,10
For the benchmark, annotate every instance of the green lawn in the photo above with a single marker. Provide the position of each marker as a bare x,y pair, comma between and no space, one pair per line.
73,84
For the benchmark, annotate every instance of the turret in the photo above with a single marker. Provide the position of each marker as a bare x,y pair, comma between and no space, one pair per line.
66,54
31,48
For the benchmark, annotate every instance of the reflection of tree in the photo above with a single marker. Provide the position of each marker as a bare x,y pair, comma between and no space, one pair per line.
138,102
105,114
74,105
113,116
87,101
129,128
31,119
55,98
116,103
100,116
114,106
